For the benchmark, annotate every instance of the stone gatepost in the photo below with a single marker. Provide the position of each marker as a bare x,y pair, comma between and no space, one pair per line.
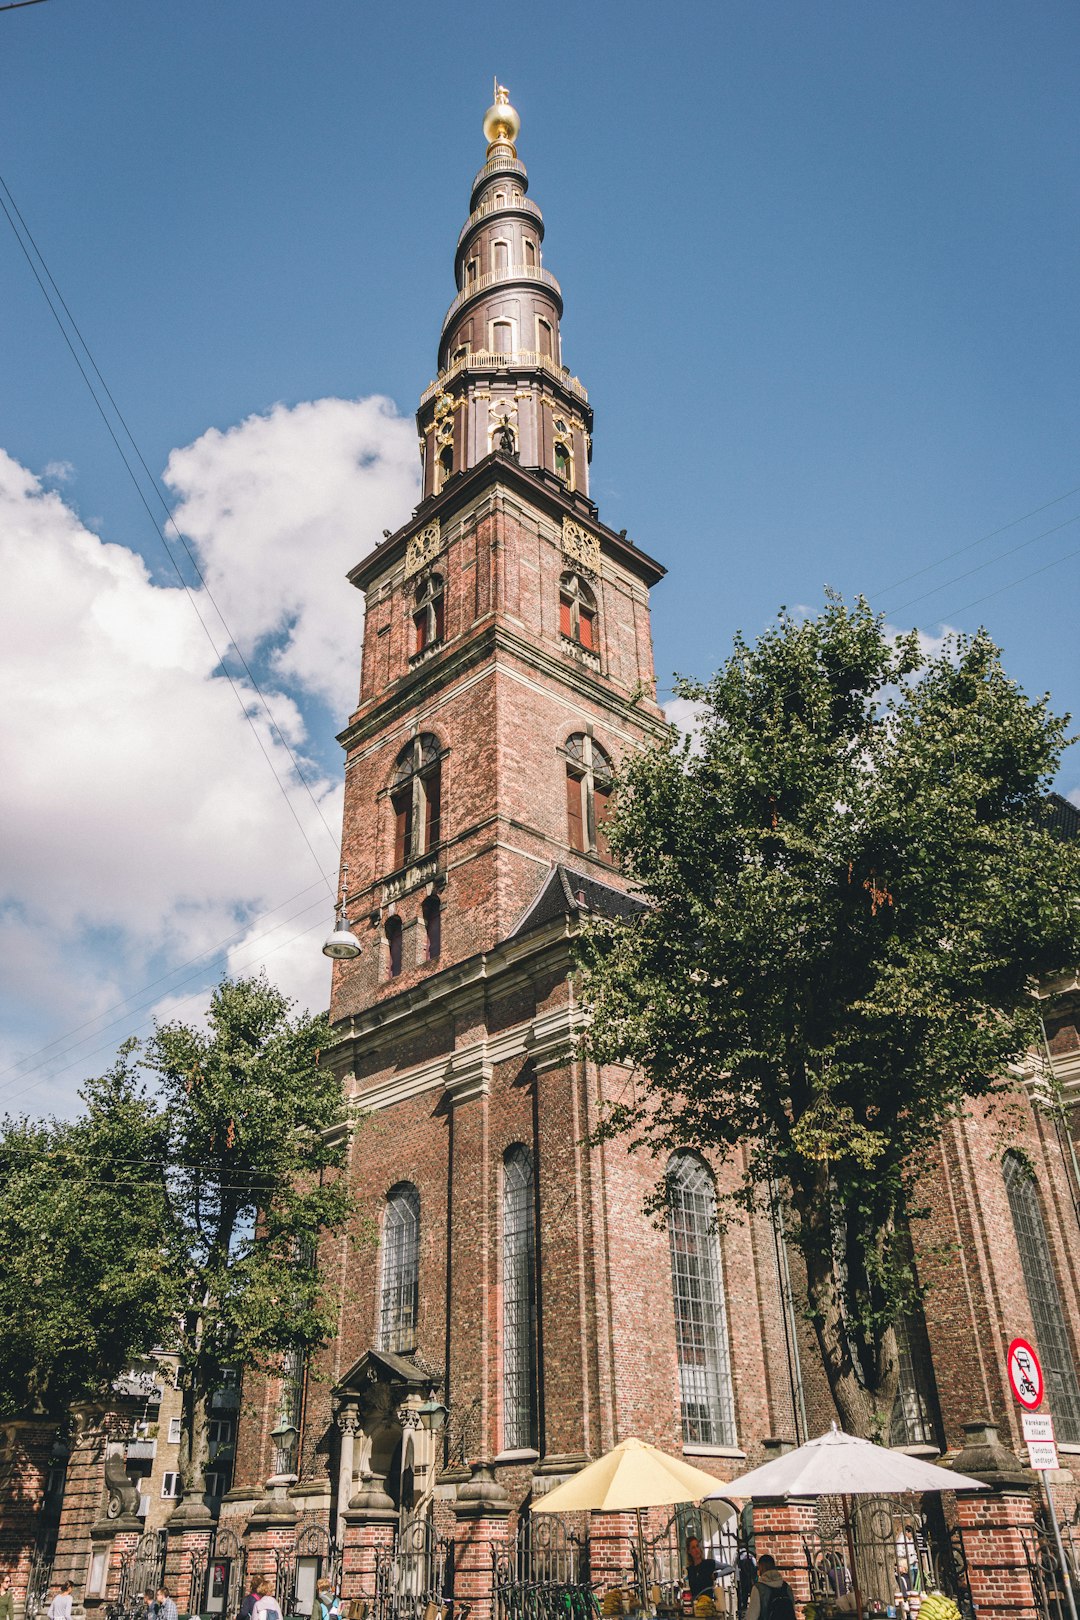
370,1522
481,1513
190,1530
271,1535
783,1526
997,1525
611,1539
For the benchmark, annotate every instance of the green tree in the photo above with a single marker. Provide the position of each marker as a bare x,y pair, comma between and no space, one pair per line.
851,892
85,1287
253,1146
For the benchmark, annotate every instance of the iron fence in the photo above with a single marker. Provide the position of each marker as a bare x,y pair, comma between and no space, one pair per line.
414,1577
901,1548
314,1557
722,1539
1051,1583
217,1575
141,1570
40,1578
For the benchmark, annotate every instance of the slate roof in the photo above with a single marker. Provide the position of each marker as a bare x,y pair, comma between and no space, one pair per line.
566,893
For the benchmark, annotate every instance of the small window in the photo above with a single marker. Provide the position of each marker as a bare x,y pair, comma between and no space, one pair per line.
393,946
500,199
219,1432
577,612
544,338
588,795
502,337
428,613
217,1482
500,255
530,251
174,1431
562,461
459,354
170,1486
432,909
470,272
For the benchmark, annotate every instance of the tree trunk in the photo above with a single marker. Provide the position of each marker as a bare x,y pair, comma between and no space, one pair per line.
863,1397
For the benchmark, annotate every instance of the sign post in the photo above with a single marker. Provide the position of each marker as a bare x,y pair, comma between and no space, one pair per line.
1026,1379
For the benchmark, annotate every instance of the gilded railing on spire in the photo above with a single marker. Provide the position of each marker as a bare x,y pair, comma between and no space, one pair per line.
492,278
525,203
488,360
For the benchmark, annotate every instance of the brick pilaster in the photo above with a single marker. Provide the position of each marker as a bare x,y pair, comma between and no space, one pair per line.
783,1527
611,1538
997,1526
480,1513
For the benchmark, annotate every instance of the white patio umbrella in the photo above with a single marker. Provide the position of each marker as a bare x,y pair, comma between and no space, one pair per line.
631,1476
839,1464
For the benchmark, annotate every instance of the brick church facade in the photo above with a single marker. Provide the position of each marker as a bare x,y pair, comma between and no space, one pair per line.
507,1302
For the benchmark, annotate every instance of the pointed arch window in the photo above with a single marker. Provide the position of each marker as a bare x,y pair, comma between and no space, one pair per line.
1044,1297
429,616
400,1292
697,1287
519,1300
416,798
577,612
588,795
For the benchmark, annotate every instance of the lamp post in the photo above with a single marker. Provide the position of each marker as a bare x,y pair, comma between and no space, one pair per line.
285,1437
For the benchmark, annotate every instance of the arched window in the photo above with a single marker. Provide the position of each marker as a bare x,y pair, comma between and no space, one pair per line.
432,910
588,795
416,797
394,940
1048,1318
577,612
697,1287
428,615
519,1300
530,250
502,337
399,1295
544,340
446,462
470,272
562,461
500,255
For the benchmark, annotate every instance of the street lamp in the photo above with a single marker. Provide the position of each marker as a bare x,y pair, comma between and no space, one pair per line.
342,944
433,1414
285,1437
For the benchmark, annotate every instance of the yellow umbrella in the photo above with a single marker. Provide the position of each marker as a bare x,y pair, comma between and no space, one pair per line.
632,1476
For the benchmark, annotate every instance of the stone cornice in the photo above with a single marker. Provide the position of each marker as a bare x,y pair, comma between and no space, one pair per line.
558,501
407,695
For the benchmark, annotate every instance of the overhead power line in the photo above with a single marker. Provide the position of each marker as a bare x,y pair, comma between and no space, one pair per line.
170,520
998,557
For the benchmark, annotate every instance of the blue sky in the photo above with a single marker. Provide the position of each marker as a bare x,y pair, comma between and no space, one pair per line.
819,263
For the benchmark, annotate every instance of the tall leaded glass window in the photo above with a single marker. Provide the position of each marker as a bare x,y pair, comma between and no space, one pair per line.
1051,1334
400,1293
697,1286
519,1300
915,1420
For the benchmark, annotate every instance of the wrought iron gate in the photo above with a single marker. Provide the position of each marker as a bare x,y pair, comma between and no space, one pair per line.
1049,1581
542,1572
417,1571
314,1557
40,1578
666,1555
141,1570
217,1575
901,1549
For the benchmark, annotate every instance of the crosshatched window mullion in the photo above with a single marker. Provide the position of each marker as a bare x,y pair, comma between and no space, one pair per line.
400,1291
519,1300
1044,1297
697,1286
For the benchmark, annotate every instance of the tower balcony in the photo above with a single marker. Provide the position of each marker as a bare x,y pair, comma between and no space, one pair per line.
502,164
525,206
521,360
496,278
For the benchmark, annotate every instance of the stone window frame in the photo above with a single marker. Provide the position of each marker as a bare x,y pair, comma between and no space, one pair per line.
520,1414
417,799
579,615
589,783
699,1301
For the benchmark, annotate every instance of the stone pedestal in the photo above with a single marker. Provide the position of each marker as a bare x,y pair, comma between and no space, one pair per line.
997,1526
480,1515
369,1524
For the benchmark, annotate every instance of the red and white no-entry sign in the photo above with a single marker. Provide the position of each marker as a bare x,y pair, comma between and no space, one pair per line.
1025,1374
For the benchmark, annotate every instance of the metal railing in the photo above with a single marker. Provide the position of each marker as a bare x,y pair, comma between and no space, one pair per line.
495,278
499,165
489,360
523,204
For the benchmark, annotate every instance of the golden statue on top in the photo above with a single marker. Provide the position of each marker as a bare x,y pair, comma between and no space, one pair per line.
501,123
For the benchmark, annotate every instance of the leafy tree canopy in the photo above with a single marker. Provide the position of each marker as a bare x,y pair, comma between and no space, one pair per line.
851,893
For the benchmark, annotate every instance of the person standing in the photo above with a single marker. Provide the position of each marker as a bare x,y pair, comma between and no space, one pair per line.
7,1598
247,1608
772,1597
60,1607
164,1606
267,1608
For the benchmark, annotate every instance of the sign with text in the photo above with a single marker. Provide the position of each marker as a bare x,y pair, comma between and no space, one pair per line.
1037,1426
1025,1374
1042,1454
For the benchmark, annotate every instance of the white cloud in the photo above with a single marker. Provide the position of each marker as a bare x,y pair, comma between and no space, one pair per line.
688,717
931,646
280,507
144,835
57,472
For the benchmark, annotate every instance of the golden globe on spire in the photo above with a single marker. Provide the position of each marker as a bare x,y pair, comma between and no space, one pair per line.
501,123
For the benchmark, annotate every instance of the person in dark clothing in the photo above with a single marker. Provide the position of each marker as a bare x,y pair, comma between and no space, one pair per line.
247,1608
702,1572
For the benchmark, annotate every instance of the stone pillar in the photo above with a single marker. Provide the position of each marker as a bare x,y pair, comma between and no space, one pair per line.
190,1529
480,1514
784,1525
25,1447
271,1535
611,1539
997,1525
370,1525
122,1536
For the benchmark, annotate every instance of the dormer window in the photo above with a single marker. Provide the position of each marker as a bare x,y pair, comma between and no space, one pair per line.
416,798
429,613
577,612
588,795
